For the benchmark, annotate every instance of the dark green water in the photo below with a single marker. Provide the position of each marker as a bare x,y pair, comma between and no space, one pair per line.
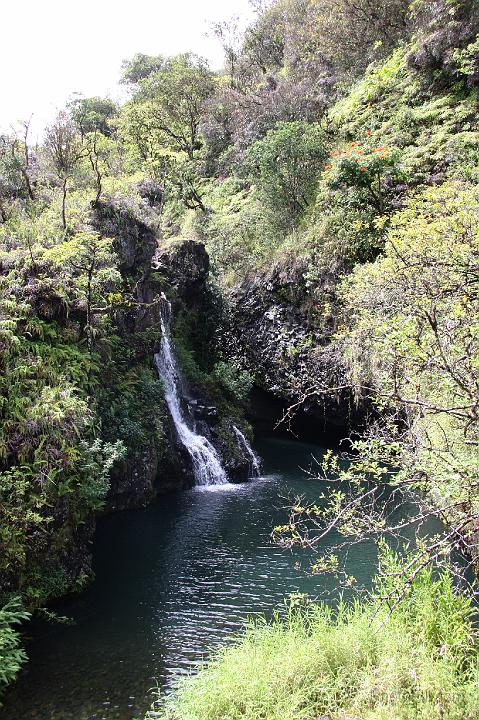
173,581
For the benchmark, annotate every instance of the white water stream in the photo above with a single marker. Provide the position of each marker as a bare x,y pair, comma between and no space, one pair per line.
206,464
254,463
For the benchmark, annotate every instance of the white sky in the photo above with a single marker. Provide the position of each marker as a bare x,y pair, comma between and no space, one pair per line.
50,49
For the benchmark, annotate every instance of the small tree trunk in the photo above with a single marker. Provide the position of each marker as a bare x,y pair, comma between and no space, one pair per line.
93,154
3,213
28,184
64,204
25,169
98,184
30,249
88,309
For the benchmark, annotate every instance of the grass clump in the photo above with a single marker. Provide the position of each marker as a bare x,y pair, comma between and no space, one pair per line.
420,663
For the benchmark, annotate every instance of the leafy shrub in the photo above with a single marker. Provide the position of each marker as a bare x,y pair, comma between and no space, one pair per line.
131,400
12,656
467,61
286,164
371,172
411,335
236,381
241,233
96,463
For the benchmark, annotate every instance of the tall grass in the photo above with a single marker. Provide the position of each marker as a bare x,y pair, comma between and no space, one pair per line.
422,662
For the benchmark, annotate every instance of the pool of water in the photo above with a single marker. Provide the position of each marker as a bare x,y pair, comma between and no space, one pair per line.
172,581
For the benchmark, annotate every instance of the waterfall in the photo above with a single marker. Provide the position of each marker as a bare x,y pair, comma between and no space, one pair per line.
255,465
206,464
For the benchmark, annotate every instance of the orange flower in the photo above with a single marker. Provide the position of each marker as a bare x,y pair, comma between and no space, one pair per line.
362,168
369,132
335,153
328,166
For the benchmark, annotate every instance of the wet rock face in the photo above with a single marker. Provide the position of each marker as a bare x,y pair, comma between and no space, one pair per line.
133,482
145,474
290,356
205,413
185,267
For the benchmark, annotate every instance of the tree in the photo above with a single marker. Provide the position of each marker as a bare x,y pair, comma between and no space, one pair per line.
99,149
229,35
286,164
256,51
9,186
22,157
169,104
15,170
93,119
93,114
184,180
233,118
264,40
140,67
347,34
162,124
65,149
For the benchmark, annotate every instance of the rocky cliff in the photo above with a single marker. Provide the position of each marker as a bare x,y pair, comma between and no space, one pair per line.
283,335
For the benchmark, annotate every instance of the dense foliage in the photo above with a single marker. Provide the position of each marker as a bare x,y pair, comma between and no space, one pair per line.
63,295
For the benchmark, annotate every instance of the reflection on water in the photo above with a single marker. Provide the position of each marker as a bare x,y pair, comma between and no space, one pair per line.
173,581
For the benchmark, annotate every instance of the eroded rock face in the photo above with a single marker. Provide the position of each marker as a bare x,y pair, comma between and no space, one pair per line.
145,474
133,482
273,333
135,241
185,266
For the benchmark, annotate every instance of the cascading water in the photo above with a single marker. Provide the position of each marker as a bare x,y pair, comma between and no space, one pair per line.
206,464
254,463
